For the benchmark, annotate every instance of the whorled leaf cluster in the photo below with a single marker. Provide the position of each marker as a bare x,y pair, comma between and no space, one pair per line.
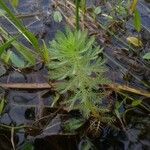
77,67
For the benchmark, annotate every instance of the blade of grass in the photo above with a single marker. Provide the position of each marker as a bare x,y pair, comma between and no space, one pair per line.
5,45
45,52
6,57
114,86
137,21
133,6
2,103
18,24
23,50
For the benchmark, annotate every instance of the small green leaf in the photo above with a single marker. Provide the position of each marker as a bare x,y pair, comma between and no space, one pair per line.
2,103
136,103
19,25
17,62
137,21
97,10
74,124
57,16
14,3
147,56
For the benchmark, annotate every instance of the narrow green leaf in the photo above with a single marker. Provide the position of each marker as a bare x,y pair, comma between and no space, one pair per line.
6,57
18,24
45,53
5,45
137,21
23,50
133,6
2,103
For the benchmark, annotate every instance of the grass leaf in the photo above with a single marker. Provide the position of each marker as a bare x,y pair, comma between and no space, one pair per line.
137,21
45,53
18,24
5,45
2,103
133,6
23,50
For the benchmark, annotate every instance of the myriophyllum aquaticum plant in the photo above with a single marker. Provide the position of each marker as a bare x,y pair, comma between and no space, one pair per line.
77,66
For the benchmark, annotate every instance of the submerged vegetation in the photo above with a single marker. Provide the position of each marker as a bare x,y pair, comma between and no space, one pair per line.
90,88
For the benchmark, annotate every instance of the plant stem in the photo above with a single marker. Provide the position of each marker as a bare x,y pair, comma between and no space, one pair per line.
77,3
10,127
113,86
83,6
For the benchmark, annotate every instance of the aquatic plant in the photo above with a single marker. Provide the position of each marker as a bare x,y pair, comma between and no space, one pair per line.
77,67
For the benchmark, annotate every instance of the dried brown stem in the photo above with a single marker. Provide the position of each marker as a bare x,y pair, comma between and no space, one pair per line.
26,85
113,86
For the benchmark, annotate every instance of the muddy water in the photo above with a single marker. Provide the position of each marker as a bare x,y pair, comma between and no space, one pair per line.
28,107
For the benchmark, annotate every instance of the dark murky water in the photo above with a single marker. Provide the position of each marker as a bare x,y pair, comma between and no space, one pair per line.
28,107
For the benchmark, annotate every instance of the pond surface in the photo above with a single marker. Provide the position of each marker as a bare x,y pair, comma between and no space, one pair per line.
32,107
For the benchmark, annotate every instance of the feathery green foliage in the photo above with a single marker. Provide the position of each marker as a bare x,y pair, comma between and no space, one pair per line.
78,68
